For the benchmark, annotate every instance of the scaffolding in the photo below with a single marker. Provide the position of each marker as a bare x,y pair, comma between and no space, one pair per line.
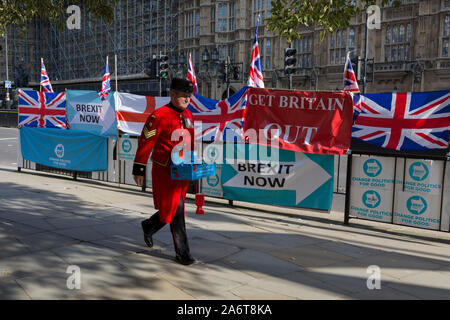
141,29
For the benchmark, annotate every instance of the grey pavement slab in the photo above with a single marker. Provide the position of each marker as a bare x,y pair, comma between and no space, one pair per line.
45,240
350,277
11,290
33,264
81,233
258,264
310,256
147,263
12,247
351,250
198,284
206,250
299,285
424,285
47,287
154,288
85,252
400,265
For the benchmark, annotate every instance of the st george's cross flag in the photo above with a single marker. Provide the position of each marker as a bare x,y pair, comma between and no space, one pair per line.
106,83
45,80
405,121
219,120
255,76
133,110
42,109
191,74
351,85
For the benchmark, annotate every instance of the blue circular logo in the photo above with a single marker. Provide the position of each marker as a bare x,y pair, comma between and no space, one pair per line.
418,171
126,145
372,167
213,180
371,199
59,150
416,205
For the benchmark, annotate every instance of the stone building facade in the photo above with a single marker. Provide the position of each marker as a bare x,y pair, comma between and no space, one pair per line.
409,51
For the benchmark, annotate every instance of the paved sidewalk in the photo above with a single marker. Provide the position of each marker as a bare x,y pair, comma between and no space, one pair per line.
50,223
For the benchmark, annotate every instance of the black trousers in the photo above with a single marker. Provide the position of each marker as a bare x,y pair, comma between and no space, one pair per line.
177,227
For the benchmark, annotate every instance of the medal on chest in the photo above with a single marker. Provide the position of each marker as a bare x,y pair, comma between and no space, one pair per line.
188,123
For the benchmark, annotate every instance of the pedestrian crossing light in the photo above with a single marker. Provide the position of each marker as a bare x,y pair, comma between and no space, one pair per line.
289,60
163,67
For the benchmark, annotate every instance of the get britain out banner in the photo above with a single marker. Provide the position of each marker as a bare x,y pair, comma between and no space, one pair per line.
301,121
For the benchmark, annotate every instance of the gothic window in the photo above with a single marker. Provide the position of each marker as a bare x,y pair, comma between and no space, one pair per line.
397,44
304,48
340,43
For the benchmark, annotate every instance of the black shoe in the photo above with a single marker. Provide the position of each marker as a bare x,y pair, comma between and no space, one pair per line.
147,237
185,260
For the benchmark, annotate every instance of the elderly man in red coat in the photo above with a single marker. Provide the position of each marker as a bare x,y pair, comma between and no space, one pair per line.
168,194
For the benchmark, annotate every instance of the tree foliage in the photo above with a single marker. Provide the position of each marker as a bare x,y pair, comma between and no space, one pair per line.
288,15
22,12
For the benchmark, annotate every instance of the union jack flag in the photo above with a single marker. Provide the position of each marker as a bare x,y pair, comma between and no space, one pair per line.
106,83
255,76
405,121
191,74
42,109
351,85
219,120
45,80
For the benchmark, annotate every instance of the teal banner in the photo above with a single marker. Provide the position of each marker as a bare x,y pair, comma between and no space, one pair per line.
273,176
86,112
65,149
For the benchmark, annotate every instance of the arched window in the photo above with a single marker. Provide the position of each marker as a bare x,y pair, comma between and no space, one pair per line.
398,42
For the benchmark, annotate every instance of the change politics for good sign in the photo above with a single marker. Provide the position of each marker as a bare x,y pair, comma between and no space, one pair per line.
419,193
372,188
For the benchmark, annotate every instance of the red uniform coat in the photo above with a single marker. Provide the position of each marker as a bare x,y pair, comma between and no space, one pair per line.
156,135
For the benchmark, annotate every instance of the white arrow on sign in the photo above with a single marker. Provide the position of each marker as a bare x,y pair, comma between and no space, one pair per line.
303,176
419,171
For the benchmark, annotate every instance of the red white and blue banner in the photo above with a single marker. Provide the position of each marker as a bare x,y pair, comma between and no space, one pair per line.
405,121
45,80
106,83
255,76
42,109
351,85
302,121
219,120
191,74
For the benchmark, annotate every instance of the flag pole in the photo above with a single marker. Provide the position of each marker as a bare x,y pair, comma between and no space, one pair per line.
118,134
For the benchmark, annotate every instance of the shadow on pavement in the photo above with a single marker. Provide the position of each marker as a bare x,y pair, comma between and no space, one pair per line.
43,232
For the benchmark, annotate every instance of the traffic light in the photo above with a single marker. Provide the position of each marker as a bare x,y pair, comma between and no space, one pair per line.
163,70
221,72
236,72
150,68
289,60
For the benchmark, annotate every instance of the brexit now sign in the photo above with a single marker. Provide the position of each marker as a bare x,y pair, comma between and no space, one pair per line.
295,179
